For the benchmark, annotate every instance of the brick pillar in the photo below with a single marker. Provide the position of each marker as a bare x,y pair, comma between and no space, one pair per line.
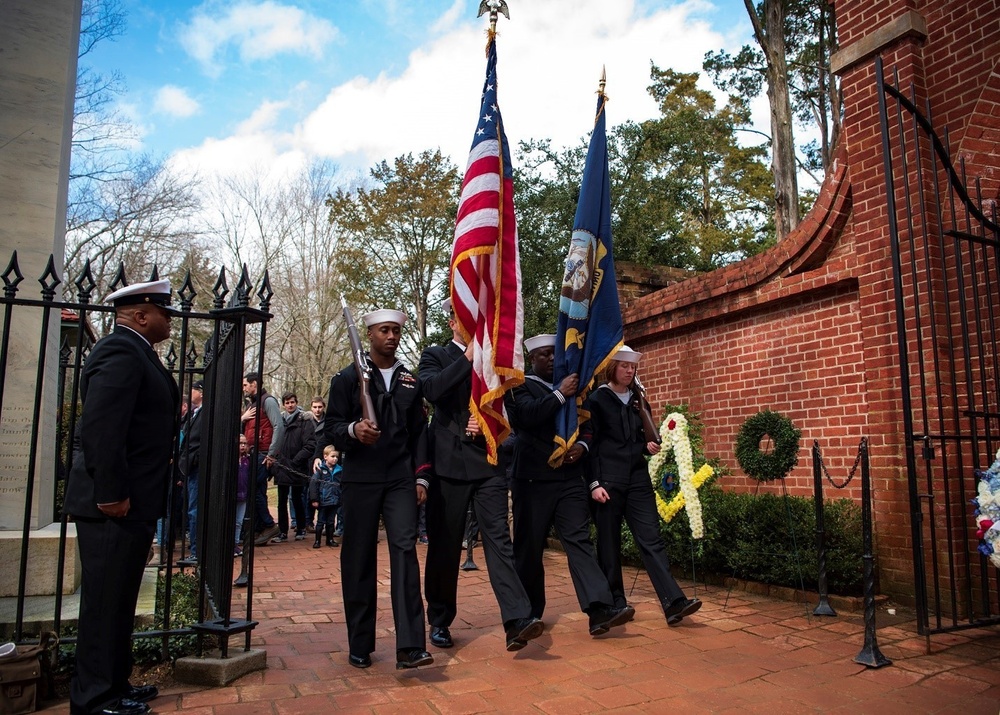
893,30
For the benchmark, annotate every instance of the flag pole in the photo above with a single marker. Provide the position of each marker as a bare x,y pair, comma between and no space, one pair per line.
600,92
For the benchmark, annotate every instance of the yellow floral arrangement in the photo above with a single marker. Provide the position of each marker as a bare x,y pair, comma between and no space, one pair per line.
674,436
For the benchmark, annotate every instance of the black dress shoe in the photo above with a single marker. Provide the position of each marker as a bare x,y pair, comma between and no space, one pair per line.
141,693
124,706
522,630
680,608
412,658
604,618
441,637
360,661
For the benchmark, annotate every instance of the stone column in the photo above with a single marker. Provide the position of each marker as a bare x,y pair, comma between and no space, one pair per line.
38,63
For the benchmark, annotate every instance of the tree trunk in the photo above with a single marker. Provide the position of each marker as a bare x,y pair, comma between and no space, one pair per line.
770,37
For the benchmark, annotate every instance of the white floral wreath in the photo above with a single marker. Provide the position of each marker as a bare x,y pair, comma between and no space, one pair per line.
674,434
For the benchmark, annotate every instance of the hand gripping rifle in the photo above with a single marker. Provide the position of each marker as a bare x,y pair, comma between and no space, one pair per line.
360,364
646,413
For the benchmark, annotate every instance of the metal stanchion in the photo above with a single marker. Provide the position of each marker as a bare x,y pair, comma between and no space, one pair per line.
870,655
471,534
824,608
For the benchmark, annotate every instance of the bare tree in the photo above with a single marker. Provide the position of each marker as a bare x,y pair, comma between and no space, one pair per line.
310,334
280,223
140,217
102,135
124,207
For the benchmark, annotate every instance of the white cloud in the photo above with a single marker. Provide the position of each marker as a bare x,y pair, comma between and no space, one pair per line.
175,102
450,17
550,59
549,65
263,119
258,30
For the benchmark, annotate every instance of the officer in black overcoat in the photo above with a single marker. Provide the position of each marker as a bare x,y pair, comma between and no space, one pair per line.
462,473
379,480
543,496
117,490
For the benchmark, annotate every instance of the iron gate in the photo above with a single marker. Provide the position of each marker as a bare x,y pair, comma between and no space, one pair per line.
223,330
946,270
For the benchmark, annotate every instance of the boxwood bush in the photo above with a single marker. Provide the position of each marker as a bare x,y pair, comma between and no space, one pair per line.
766,538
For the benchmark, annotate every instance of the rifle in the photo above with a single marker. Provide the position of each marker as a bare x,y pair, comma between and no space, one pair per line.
360,364
645,412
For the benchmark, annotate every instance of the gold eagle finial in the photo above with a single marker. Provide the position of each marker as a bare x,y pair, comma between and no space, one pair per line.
493,7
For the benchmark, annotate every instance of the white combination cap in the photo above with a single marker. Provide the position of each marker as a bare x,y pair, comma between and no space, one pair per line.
385,315
627,354
546,340
155,292
446,306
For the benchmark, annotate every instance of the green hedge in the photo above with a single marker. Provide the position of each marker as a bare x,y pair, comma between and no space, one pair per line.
183,611
756,537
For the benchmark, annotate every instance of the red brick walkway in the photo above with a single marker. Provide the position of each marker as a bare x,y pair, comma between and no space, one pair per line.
741,653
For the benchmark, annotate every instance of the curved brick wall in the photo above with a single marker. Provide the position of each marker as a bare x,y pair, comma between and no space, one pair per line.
808,328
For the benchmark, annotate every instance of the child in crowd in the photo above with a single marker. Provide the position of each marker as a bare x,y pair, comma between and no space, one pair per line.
324,494
242,490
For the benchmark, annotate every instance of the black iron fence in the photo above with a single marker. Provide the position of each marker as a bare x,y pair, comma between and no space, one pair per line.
210,345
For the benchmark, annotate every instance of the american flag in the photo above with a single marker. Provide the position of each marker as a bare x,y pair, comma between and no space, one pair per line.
485,269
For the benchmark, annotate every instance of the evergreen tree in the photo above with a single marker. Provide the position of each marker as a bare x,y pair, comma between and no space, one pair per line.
810,38
396,238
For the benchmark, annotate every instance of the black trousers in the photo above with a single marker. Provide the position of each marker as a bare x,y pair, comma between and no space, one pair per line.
636,504
538,504
447,506
396,502
113,555
298,505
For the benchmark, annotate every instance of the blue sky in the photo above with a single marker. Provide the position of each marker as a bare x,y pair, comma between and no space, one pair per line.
226,86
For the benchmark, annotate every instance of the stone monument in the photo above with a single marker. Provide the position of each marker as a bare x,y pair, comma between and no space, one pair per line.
38,64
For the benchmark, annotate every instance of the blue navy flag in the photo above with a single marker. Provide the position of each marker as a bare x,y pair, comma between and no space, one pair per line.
589,330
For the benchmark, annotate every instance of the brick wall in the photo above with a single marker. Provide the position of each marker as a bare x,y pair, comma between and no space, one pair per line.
800,357
808,329
779,331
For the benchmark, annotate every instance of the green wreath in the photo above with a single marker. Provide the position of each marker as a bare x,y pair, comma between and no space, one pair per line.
777,464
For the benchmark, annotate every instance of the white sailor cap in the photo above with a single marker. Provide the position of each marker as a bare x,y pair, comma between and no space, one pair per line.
547,340
150,292
627,354
385,315
446,306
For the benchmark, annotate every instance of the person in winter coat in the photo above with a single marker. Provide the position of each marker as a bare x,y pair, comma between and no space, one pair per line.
324,494
291,472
